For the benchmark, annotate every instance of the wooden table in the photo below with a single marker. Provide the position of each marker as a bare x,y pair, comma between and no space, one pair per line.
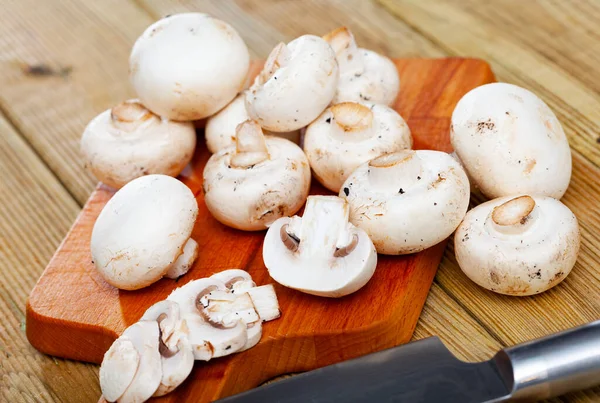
550,47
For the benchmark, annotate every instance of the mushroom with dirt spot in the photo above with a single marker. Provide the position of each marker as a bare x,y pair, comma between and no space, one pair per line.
518,245
407,201
297,83
129,141
188,66
364,75
349,134
510,142
257,181
320,253
143,230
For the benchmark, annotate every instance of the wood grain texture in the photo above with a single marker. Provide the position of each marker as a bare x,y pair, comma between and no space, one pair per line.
72,299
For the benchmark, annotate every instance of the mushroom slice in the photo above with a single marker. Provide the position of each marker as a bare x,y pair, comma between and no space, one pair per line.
177,366
220,128
364,75
518,245
349,134
221,310
118,368
259,180
145,337
129,141
320,253
185,261
141,231
297,83
166,313
265,302
254,333
407,201
510,142
237,280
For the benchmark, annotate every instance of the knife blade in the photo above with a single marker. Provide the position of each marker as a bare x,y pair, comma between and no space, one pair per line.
426,371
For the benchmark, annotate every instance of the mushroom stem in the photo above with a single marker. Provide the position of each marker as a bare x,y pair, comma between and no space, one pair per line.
352,121
515,216
129,115
403,169
279,57
250,145
344,45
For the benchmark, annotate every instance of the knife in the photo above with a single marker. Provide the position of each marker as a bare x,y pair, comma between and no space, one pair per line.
426,371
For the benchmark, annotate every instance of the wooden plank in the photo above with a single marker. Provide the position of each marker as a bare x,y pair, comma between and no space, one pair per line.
35,212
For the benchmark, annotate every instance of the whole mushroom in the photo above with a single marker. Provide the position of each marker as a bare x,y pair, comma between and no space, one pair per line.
364,75
297,83
188,66
349,134
129,141
144,232
320,253
407,201
518,245
510,142
257,181
220,128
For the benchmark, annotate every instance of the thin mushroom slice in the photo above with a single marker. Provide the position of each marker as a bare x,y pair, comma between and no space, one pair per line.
238,281
254,331
166,314
118,368
185,261
311,264
177,367
265,300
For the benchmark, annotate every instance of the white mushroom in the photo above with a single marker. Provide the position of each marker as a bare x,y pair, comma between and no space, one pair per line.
220,128
188,66
320,253
350,134
409,200
297,83
256,182
129,141
518,245
142,231
510,142
364,75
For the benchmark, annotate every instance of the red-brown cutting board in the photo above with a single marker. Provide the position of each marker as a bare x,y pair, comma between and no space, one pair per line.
73,313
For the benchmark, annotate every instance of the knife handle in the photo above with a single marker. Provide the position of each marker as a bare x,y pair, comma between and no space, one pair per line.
553,365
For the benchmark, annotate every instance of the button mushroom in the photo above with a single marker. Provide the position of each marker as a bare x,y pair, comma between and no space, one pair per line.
220,128
407,201
143,230
297,83
364,75
188,66
518,245
320,253
256,182
510,142
129,141
350,134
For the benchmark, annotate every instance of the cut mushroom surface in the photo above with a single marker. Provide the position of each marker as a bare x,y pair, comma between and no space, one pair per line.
142,230
188,66
320,253
118,368
349,134
510,142
518,245
259,180
297,83
365,76
407,201
220,128
129,141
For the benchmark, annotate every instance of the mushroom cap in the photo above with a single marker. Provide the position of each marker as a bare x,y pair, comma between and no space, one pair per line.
365,75
320,253
251,198
510,142
349,134
298,82
142,230
129,141
188,66
185,261
220,128
118,368
518,245
407,201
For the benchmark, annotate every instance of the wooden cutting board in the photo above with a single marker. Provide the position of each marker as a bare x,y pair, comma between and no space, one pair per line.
73,313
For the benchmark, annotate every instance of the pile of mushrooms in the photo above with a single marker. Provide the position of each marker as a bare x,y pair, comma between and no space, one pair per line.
205,319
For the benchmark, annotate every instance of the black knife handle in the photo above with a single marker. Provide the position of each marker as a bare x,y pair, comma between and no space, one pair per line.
553,365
